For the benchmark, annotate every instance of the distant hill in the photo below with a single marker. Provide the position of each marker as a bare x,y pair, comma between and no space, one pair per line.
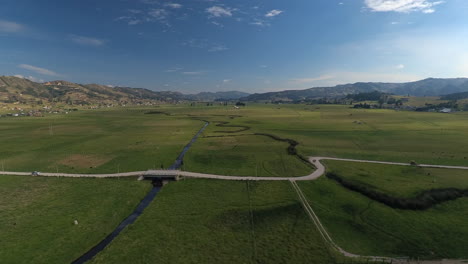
426,87
14,89
216,96
455,96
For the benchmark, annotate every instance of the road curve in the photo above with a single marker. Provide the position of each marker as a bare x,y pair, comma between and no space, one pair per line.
320,170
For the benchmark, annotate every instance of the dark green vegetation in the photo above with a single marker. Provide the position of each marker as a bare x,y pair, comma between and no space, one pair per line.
422,201
363,226
208,221
455,96
371,96
401,181
37,215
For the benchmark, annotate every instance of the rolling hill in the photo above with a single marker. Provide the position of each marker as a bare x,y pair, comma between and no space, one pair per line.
14,89
426,87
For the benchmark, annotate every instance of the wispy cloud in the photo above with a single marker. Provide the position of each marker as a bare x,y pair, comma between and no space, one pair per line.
311,80
273,13
218,11
217,48
193,72
159,14
31,78
38,70
205,44
10,27
174,5
400,66
87,41
176,69
402,6
260,23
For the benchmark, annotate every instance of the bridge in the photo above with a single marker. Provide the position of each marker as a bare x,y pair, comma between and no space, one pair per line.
162,176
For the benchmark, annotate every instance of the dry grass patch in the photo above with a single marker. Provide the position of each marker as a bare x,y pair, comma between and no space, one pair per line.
85,161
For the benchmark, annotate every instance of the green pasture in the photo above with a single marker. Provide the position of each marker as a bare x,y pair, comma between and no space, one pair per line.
93,141
339,131
209,221
244,155
37,215
363,226
400,181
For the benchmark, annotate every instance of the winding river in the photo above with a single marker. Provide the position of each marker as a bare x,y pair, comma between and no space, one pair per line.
139,209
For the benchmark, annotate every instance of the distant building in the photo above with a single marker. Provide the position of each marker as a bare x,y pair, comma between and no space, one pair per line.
446,110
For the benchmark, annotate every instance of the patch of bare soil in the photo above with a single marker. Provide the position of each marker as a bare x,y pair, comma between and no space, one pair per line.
84,161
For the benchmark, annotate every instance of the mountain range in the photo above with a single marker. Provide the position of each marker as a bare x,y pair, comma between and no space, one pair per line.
426,87
15,89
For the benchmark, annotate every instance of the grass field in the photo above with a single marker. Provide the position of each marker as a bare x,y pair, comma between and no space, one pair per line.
401,181
189,220
363,226
208,221
245,155
93,141
127,139
37,215
336,130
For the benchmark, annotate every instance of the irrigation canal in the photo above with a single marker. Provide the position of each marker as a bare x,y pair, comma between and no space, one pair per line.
157,185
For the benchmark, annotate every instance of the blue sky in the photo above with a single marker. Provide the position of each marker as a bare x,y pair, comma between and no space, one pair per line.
246,45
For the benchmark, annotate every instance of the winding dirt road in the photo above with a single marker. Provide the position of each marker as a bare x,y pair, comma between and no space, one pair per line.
320,170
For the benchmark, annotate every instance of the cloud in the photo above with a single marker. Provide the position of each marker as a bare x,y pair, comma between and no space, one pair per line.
133,22
260,23
273,13
159,14
174,5
227,80
31,78
402,6
217,24
194,73
10,27
217,48
205,44
87,41
400,67
218,11
174,69
310,80
38,70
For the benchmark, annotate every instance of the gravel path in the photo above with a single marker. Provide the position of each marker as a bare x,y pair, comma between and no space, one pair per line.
320,170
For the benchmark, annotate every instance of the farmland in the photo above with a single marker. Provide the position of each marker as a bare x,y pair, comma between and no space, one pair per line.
255,222
38,214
